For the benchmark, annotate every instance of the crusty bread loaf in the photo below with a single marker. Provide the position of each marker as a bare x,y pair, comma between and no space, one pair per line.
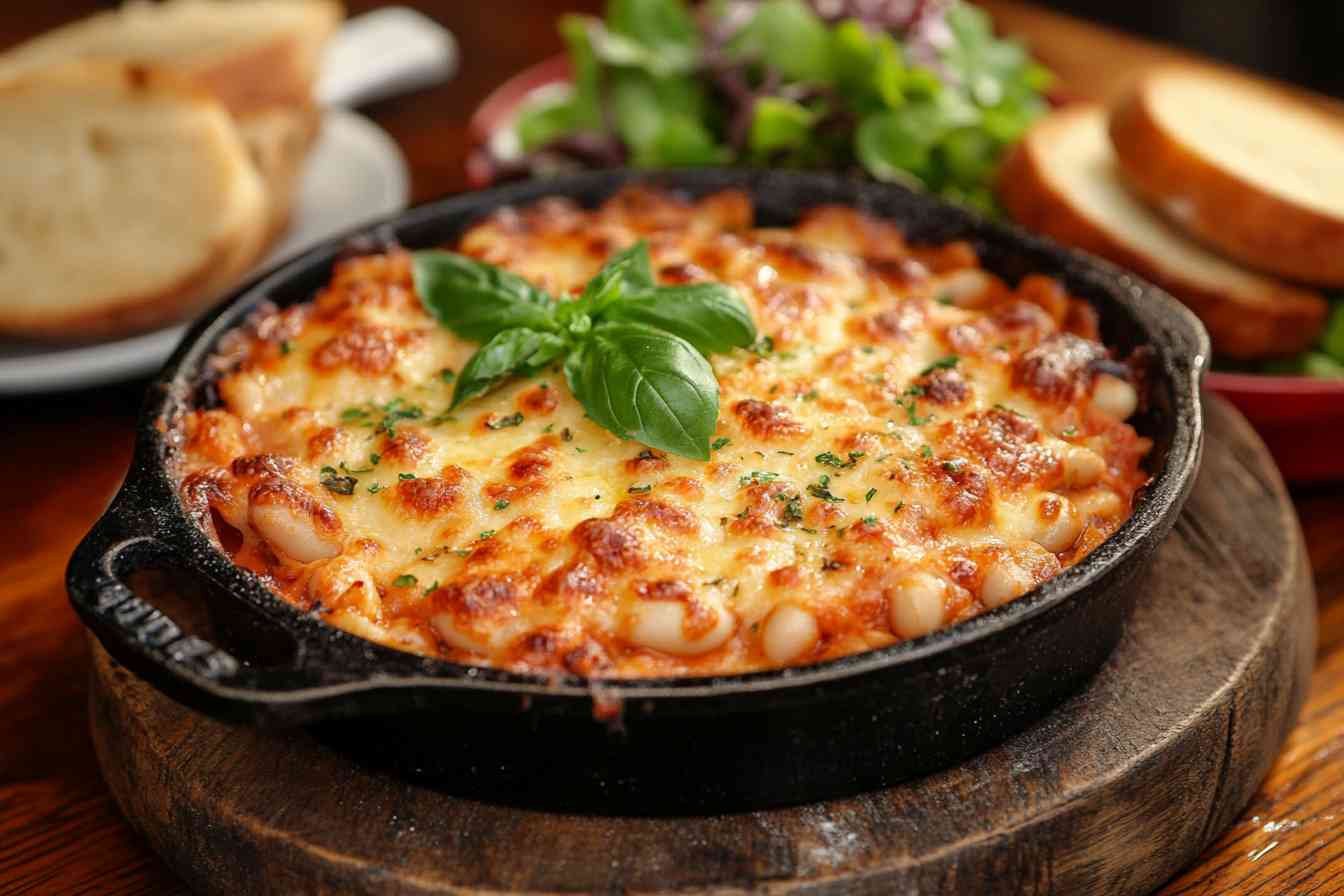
1063,180
278,140
127,200
1253,170
253,54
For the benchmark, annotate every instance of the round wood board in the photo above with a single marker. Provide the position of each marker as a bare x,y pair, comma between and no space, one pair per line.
1112,794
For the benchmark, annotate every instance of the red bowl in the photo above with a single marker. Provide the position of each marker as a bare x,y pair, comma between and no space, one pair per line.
1301,419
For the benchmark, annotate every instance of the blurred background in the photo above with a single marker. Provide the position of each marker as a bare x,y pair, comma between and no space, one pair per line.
1297,40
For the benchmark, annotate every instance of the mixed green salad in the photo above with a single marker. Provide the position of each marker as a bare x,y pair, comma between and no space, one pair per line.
1326,359
919,91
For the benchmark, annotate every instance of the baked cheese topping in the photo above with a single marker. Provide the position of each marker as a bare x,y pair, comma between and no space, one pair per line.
914,442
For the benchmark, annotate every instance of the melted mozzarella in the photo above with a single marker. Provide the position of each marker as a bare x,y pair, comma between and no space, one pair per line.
918,421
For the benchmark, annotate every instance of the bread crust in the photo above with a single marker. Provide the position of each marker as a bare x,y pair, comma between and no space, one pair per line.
1244,219
279,73
230,256
1286,319
278,141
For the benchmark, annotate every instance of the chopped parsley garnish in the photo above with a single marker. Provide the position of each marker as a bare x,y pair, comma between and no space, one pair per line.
285,347
869,520
953,466
831,460
337,484
501,504
765,347
438,419
810,395
566,435
1000,406
394,412
488,533
513,419
375,488
897,508
434,586
354,414
822,489
550,427
793,509
947,362
908,401
406,580
756,476
640,489
373,462
447,375
926,452
405,475
872,492
944,298
1070,432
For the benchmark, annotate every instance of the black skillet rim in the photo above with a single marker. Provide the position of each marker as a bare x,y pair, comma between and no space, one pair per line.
1179,341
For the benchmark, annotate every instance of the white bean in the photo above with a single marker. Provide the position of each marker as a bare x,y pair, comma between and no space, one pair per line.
1056,522
291,531
1082,466
1114,397
344,582
918,604
661,625
358,624
446,627
1098,502
788,633
1004,581
964,288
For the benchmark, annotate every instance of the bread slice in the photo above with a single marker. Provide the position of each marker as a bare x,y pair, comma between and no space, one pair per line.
253,54
127,200
1253,170
1063,180
278,140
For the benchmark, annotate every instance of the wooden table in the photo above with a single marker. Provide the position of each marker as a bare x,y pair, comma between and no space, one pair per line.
59,829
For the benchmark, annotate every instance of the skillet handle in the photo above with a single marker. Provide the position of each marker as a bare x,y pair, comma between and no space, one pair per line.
267,686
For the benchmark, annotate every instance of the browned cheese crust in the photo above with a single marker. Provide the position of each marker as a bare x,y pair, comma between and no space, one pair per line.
924,442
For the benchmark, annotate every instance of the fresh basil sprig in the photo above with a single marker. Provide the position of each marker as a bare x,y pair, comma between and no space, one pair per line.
635,352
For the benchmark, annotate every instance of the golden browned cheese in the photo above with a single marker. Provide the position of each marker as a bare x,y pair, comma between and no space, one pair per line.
922,443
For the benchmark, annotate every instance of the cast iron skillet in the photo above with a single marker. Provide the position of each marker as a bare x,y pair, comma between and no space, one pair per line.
169,605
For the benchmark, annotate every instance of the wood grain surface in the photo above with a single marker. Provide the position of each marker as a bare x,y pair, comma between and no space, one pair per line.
1111,794
60,831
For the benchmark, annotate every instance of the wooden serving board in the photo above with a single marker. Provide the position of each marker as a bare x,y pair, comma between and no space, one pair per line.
1112,794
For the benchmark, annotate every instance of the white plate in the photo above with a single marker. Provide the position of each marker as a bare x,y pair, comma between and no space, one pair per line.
355,174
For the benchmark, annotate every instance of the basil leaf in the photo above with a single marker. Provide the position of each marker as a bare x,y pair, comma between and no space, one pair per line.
633,264
628,268
508,352
477,300
645,384
710,316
